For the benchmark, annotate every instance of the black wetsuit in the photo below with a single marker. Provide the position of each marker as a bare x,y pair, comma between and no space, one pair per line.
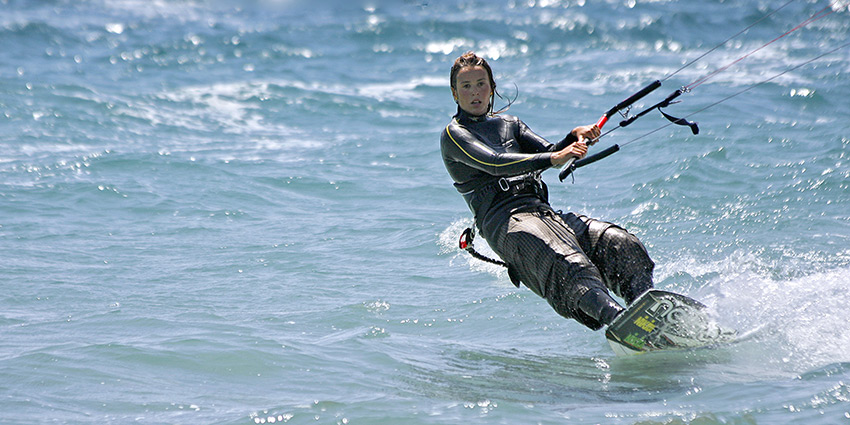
562,257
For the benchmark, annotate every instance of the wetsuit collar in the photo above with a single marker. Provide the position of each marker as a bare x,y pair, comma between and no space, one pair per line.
464,116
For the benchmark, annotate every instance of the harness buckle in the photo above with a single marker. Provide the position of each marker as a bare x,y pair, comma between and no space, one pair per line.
538,178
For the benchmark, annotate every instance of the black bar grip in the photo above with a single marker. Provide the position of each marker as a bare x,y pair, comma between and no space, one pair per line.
597,156
635,97
572,164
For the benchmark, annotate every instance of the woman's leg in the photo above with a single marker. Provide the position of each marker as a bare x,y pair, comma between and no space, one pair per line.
543,252
621,258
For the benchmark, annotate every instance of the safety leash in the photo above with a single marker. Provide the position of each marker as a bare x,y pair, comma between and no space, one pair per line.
465,243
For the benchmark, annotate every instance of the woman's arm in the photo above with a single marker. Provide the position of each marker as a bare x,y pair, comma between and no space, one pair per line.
576,149
574,144
571,146
462,146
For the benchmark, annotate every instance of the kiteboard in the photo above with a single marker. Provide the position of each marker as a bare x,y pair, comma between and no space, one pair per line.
661,320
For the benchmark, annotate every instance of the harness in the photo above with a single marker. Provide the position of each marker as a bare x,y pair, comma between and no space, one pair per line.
490,195
497,191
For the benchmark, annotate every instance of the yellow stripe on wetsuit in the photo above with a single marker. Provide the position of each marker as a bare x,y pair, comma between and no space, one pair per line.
478,160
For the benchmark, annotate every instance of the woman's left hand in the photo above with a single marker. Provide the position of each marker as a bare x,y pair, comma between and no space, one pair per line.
588,132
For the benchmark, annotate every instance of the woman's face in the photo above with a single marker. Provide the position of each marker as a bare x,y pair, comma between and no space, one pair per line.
473,90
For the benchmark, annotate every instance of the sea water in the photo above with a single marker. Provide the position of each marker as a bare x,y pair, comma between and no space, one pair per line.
236,212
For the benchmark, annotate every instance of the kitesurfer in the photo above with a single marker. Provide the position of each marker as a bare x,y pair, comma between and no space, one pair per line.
494,159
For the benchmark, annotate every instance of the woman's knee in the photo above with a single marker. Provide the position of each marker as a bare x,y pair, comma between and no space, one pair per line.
626,247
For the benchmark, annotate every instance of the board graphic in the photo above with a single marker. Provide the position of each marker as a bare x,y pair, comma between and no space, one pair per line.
661,320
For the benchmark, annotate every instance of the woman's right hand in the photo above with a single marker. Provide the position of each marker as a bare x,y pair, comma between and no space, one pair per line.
576,150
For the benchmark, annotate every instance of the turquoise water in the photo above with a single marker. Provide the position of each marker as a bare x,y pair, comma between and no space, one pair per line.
236,212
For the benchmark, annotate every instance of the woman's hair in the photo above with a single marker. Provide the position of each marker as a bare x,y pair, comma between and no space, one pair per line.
470,59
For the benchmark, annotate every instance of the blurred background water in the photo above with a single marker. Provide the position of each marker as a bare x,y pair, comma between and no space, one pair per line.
236,212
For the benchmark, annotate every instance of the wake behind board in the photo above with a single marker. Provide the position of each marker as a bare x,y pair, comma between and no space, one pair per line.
661,320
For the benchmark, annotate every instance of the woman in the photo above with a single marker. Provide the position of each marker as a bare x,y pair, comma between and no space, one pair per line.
570,260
